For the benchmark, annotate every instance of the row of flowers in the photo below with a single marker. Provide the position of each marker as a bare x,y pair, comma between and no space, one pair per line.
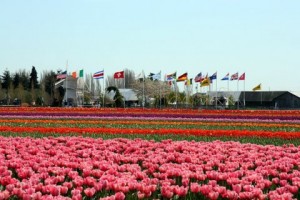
175,113
161,131
147,124
85,168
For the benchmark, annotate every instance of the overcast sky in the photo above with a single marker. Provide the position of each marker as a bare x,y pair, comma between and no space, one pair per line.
258,37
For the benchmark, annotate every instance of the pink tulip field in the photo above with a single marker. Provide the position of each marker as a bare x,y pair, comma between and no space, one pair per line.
86,168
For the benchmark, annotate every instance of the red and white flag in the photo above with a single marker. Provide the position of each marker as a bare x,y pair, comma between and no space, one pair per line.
242,77
99,75
119,74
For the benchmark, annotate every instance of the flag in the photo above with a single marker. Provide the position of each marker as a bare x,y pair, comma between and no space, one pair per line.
242,77
150,76
171,77
99,75
140,76
199,77
205,82
188,82
81,73
258,87
119,75
226,78
234,76
62,75
74,74
156,76
182,77
214,76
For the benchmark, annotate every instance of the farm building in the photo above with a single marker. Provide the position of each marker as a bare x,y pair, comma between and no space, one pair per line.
260,99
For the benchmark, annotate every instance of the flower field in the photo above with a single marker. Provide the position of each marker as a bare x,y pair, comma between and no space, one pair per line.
92,153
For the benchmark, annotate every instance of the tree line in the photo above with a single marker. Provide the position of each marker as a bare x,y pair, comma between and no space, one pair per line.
27,88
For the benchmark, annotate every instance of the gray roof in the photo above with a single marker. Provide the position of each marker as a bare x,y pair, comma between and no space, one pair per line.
253,96
128,94
262,95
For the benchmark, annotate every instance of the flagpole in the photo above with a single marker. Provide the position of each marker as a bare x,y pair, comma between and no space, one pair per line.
83,89
124,87
192,91
67,83
244,94
238,103
216,92
103,89
143,101
175,85
159,90
228,84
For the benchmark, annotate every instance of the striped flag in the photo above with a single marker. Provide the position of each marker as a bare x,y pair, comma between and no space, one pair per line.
234,76
182,77
171,77
199,77
226,78
99,75
61,75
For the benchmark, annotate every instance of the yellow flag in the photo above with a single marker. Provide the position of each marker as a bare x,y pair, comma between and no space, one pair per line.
205,82
257,87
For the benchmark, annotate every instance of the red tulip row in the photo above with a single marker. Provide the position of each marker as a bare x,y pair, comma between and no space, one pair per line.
137,131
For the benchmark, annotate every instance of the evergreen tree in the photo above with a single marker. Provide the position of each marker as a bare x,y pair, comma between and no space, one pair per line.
6,83
49,80
24,79
33,79
16,80
6,80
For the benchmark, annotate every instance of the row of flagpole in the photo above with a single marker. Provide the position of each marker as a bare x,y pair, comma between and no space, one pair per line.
170,78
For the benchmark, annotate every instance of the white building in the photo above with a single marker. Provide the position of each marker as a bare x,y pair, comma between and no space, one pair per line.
74,91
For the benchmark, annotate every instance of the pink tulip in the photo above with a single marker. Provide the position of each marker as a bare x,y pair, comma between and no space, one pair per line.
167,192
89,192
195,187
54,190
36,196
77,197
180,191
141,195
26,196
10,187
213,195
283,182
231,195
75,192
293,189
108,198
119,196
237,188
69,185
4,194
64,190
246,195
